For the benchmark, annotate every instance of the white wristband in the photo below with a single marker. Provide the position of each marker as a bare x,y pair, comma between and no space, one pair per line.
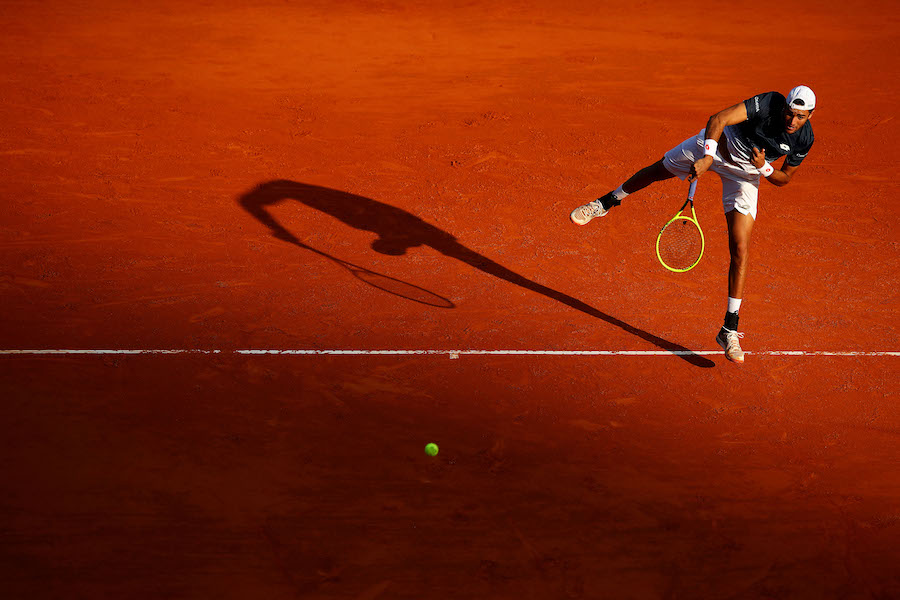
710,147
767,169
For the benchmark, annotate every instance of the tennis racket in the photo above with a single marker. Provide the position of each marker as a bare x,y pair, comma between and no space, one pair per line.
679,245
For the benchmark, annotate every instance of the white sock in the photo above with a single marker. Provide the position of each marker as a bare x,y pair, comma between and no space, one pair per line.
620,193
734,304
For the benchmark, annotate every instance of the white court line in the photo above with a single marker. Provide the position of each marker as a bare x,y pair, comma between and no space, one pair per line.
454,353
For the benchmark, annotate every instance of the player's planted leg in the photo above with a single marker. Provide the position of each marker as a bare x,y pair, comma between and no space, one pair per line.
739,228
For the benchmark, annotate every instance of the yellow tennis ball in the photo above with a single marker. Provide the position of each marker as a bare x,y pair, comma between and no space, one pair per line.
431,449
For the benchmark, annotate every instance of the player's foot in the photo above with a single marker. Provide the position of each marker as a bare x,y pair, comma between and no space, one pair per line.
598,208
730,342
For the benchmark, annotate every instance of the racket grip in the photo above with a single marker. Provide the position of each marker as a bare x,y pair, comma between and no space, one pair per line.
692,189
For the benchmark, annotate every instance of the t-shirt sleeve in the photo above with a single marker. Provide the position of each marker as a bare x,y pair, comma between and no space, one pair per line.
796,157
760,106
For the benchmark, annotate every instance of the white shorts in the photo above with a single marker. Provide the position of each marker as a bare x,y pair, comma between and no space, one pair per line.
740,182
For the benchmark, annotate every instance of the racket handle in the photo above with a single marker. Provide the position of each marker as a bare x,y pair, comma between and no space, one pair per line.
692,189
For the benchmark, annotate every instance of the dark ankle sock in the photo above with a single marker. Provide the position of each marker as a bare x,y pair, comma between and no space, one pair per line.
731,321
609,200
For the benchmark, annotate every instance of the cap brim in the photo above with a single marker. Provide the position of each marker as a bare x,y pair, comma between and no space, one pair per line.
800,106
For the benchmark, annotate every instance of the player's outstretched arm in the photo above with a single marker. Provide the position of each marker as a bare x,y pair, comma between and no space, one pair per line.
715,127
732,115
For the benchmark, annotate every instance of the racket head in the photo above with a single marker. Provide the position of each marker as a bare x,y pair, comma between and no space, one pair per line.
680,244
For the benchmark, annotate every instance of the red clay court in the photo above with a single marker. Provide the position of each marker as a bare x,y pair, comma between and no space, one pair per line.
348,222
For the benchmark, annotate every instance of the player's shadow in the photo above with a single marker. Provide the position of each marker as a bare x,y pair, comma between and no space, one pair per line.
398,231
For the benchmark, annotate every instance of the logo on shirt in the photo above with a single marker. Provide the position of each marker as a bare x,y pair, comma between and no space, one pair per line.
784,147
756,100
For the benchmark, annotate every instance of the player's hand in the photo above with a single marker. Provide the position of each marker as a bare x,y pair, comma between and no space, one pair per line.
759,158
700,167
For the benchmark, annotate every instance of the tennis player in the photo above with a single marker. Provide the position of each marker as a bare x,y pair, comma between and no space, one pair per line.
739,144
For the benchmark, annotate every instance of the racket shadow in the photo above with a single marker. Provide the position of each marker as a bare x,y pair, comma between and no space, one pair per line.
398,231
391,285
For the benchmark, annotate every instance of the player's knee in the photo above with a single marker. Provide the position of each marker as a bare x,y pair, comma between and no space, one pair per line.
740,250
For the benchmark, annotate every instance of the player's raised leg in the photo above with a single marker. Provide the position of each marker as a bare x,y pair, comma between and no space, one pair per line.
599,207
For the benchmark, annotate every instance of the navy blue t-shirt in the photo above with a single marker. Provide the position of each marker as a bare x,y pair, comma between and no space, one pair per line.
764,129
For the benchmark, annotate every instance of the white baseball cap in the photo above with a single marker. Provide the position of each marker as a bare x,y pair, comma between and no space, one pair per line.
801,98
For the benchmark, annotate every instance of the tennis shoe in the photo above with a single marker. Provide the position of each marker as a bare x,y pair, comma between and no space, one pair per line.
730,342
585,213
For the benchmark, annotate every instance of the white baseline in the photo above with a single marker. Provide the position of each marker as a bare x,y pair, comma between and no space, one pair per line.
450,353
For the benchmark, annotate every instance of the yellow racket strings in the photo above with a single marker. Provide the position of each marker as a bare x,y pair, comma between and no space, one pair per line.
680,244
